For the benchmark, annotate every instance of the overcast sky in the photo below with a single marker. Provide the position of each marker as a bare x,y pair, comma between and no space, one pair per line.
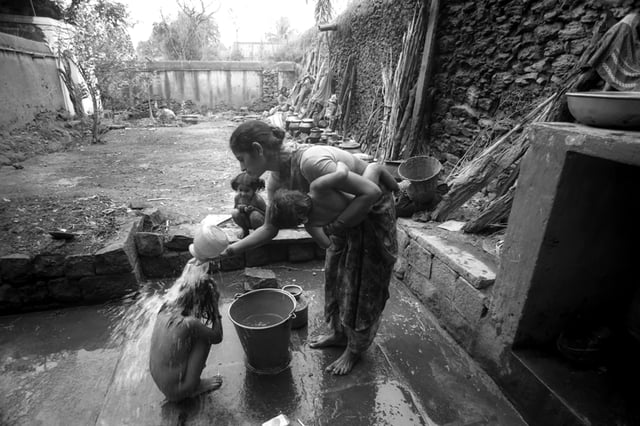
248,20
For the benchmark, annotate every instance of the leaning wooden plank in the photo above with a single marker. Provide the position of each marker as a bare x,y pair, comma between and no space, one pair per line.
476,177
527,118
398,137
497,210
423,79
479,172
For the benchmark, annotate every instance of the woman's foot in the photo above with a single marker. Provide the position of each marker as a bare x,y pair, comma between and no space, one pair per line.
243,233
344,364
327,340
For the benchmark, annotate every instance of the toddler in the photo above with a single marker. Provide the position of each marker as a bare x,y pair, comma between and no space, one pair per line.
180,341
249,207
323,204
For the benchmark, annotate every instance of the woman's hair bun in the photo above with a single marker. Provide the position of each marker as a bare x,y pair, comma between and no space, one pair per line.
277,132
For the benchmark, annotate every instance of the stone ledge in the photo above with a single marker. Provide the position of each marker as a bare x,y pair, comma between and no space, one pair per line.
465,260
49,281
449,275
120,254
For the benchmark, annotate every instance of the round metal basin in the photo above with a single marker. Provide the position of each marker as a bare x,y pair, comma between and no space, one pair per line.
606,109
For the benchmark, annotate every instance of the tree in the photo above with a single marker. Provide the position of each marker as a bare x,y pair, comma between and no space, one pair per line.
99,45
282,32
191,36
323,11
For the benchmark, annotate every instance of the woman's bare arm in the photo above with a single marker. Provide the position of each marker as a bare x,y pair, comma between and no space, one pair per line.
331,180
380,175
259,237
319,236
366,194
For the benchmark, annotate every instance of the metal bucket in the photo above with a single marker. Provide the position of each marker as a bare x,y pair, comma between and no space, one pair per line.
422,173
262,319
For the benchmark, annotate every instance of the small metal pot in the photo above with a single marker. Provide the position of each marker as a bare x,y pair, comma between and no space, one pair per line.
301,314
294,125
306,125
315,133
302,306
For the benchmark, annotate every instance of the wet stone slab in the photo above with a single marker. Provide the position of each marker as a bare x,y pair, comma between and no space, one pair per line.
412,375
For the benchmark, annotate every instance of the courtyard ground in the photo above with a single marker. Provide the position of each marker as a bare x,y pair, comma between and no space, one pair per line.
87,189
185,171
87,365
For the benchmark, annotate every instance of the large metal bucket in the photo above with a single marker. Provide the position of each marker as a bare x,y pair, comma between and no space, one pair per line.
262,319
422,173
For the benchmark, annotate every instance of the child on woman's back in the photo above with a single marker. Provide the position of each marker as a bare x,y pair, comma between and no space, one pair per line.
323,204
249,207
180,341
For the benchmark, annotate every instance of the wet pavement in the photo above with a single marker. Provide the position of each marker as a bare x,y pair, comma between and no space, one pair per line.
88,365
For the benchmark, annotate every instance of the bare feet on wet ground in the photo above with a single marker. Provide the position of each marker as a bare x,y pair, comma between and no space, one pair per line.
344,364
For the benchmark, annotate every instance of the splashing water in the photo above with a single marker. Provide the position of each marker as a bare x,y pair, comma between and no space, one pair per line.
136,322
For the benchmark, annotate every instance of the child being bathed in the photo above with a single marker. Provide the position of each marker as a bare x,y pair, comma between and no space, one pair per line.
180,341
318,209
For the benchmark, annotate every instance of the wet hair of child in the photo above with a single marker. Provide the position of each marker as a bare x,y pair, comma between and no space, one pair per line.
197,294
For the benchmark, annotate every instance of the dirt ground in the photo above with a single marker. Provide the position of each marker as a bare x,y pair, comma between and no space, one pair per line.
88,189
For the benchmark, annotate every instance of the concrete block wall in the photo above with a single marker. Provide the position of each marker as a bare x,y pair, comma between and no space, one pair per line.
162,257
452,279
216,84
47,281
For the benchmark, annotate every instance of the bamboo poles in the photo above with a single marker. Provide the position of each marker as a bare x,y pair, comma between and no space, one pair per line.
399,89
486,166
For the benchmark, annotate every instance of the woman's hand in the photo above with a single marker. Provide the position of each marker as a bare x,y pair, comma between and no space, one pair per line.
228,252
335,227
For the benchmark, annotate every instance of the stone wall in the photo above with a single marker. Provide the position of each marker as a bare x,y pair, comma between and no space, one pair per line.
47,281
494,59
370,31
133,256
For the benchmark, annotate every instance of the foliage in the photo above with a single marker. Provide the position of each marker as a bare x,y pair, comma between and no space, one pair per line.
282,31
193,35
100,47
323,11
290,52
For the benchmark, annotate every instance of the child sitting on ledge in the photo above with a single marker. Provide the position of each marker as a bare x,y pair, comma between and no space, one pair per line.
249,207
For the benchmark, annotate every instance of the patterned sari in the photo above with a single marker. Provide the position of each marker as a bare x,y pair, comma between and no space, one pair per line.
358,265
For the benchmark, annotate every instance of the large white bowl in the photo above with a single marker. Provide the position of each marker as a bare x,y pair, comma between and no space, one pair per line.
619,110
